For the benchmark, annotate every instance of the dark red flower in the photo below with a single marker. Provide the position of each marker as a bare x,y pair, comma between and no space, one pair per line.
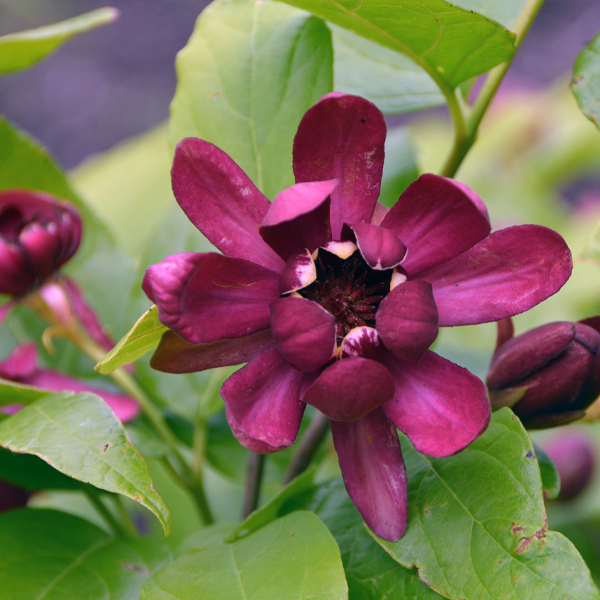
334,301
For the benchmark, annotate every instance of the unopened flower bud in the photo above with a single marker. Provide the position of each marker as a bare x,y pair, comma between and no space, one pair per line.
548,375
573,456
38,234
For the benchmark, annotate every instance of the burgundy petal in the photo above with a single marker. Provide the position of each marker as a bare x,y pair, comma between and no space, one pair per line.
304,331
221,201
175,355
208,297
299,272
350,388
374,472
380,248
507,273
407,320
262,402
521,356
440,406
15,275
299,218
362,342
437,219
86,315
342,138
41,245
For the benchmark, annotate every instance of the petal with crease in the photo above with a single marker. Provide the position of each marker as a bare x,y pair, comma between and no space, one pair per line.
221,201
374,472
299,272
208,297
262,402
380,248
407,320
440,406
437,218
506,274
175,355
299,218
342,138
350,388
304,332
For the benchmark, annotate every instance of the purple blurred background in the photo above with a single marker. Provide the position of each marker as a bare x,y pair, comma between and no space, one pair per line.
117,81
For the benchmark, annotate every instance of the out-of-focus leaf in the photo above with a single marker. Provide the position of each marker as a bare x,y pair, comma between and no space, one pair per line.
586,80
50,554
483,511
129,186
141,338
393,82
19,393
400,168
25,48
592,248
293,558
80,436
248,74
549,473
450,43
506,12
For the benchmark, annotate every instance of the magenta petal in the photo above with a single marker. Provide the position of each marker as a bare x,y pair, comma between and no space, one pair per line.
221,201
437,219
86,315
299,218
262,402
350,389
374,472
440,406
20,363
175,355
380,248
407,320
208,297
342,138
304,332
507,273
299,271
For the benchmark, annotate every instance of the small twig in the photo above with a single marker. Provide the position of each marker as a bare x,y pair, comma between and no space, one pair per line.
254,471
307,448
128,524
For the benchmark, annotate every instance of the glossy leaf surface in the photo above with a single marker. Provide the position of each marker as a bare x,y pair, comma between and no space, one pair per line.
69,557
80,436
248,74
293,558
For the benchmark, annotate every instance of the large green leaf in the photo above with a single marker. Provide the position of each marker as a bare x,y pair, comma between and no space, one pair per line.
141,338
393,82
451,44
370,572
248,74
18,393
506,12
293,558
586,80
55,556
80,436
25,48
477,525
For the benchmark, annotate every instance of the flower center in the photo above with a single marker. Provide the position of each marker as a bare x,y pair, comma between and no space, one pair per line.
349,289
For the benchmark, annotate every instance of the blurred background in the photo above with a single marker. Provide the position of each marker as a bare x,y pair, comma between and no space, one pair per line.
117,81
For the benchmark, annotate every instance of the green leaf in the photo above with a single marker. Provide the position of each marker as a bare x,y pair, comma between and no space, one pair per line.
586,80
506,12
80,436
370,572
393,82
592,247
450,43
549,473
248,74
477,526
270,511
25,48
19,393
53,555
141,338
400,168
294,558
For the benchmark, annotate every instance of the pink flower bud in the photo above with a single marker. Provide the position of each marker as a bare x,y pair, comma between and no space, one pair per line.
548,375
38,234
